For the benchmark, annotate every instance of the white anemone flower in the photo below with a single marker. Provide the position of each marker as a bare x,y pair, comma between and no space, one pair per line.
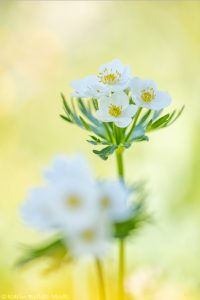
116,108
86,87
146,94
67,205
113,200
68,197
67,168
37,209
90,239
112,77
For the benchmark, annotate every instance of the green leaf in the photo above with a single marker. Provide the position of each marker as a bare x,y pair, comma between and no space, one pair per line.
138,218
145,117
160,122
55,250
178,114
85,124
65,118
105,152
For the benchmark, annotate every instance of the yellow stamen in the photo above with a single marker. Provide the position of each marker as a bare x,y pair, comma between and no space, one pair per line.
148,95
73,201
109,78
115,111
88,235
105,202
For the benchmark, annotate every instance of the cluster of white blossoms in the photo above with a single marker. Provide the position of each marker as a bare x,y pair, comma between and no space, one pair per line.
119,94
76,205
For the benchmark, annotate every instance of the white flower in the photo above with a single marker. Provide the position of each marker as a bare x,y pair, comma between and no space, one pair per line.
116,108
90,239
86,88
67,205
112,77
145,94
68,168
37,210
113,200
68,198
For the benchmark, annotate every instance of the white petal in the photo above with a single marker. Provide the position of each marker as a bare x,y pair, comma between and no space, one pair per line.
123,122
114,65
162,100
120,99
136,85
130,111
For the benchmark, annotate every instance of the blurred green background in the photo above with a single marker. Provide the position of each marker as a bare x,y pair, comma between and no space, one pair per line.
44,45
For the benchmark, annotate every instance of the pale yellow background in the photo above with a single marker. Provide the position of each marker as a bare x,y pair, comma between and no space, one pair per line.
44,45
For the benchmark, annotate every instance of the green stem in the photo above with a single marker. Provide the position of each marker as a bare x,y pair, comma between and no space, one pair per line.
134,123
120,170
121,269
102,291
120,164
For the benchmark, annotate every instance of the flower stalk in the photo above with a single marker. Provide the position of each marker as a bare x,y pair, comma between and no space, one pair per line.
121,271
102,291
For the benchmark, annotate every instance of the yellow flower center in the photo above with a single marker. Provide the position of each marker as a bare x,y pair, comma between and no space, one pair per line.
109,78
73,202
148,95
88,235
115,111
105,202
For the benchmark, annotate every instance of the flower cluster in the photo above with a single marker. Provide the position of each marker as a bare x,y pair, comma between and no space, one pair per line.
117,109
83,210
119,94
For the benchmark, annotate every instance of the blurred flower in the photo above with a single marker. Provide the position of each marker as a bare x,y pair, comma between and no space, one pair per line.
67,168
113,200
37,211
145,94
112,77
91,238
117,109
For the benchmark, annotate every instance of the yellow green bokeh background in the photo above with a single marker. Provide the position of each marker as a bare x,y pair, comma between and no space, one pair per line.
44,45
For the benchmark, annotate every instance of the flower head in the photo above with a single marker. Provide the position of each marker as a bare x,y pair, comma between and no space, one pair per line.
86,87
37,209
68,168
112,77
146,94
116,108
90,239
113,200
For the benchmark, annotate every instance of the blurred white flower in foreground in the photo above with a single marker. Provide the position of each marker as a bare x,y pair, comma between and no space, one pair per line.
91,238
37,210
68,168
146,94
76,205
113,200
112,77
116,108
